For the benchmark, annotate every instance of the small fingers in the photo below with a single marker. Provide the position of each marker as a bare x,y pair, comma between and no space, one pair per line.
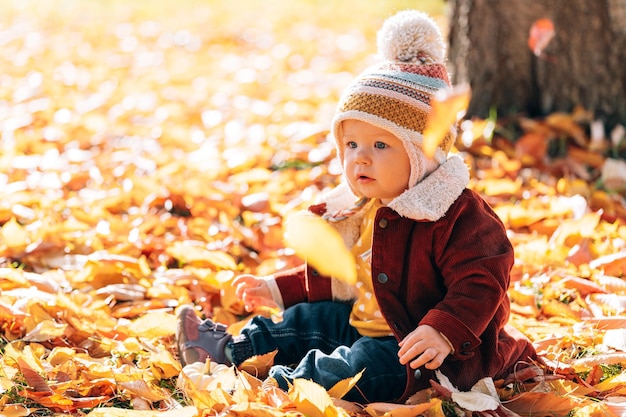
431,358
243,283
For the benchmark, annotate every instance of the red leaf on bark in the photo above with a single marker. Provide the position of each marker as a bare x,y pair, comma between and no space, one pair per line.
541,33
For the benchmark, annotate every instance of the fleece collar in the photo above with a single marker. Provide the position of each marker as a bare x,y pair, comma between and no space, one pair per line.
431,198
428,200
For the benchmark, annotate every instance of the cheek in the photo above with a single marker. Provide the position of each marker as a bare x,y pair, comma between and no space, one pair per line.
403,169
347,157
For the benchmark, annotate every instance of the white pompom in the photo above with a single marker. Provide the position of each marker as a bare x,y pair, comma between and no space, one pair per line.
407,34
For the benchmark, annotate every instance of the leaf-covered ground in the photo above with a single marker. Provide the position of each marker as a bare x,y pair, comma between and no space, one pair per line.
150,151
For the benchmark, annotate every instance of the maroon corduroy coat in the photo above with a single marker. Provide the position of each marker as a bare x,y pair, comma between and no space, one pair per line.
451,274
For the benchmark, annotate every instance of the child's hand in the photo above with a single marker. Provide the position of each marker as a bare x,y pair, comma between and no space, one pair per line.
254,292
424,346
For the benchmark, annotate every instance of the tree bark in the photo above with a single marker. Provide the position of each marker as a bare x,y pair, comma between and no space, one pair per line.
584,64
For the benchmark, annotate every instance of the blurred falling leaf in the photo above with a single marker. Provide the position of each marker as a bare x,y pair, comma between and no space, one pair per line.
321,246
447,108
540,34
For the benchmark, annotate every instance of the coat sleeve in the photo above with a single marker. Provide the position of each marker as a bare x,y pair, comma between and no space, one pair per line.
303,284
306,284
475,258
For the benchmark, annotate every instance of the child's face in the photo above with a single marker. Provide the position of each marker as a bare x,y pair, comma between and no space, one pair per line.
374,161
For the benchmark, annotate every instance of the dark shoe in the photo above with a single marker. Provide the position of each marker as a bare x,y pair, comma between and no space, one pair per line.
198,339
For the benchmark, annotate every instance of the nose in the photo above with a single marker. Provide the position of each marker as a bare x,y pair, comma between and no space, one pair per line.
361,156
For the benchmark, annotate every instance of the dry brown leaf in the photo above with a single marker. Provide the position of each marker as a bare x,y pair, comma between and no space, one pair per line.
33,379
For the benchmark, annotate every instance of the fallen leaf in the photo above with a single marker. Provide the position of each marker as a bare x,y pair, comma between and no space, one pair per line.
342,387
311,399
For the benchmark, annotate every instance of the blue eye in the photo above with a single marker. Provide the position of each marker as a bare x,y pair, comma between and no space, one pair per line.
380,145
351,144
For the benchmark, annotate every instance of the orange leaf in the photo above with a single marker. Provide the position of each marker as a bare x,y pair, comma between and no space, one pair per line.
67,404
541,33
531,148
613,264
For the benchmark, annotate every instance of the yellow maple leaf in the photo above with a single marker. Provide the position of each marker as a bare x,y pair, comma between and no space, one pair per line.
342,387
312,399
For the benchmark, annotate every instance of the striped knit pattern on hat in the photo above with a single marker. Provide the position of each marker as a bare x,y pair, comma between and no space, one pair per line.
396,94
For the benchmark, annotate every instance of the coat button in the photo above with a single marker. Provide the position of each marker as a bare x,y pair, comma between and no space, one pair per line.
466,345
382,278
383,223
417,374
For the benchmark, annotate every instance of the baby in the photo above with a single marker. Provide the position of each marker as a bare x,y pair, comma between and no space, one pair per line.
433,259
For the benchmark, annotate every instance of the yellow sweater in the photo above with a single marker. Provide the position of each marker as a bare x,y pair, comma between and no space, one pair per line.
366,316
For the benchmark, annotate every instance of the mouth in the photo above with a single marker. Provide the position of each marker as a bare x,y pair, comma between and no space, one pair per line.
363,178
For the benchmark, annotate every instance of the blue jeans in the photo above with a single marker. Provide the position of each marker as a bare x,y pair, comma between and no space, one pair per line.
315,341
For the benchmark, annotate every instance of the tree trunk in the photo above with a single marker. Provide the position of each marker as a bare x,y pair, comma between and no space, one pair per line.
584,64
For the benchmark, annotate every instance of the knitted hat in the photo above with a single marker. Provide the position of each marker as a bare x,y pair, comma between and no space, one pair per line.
395,94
